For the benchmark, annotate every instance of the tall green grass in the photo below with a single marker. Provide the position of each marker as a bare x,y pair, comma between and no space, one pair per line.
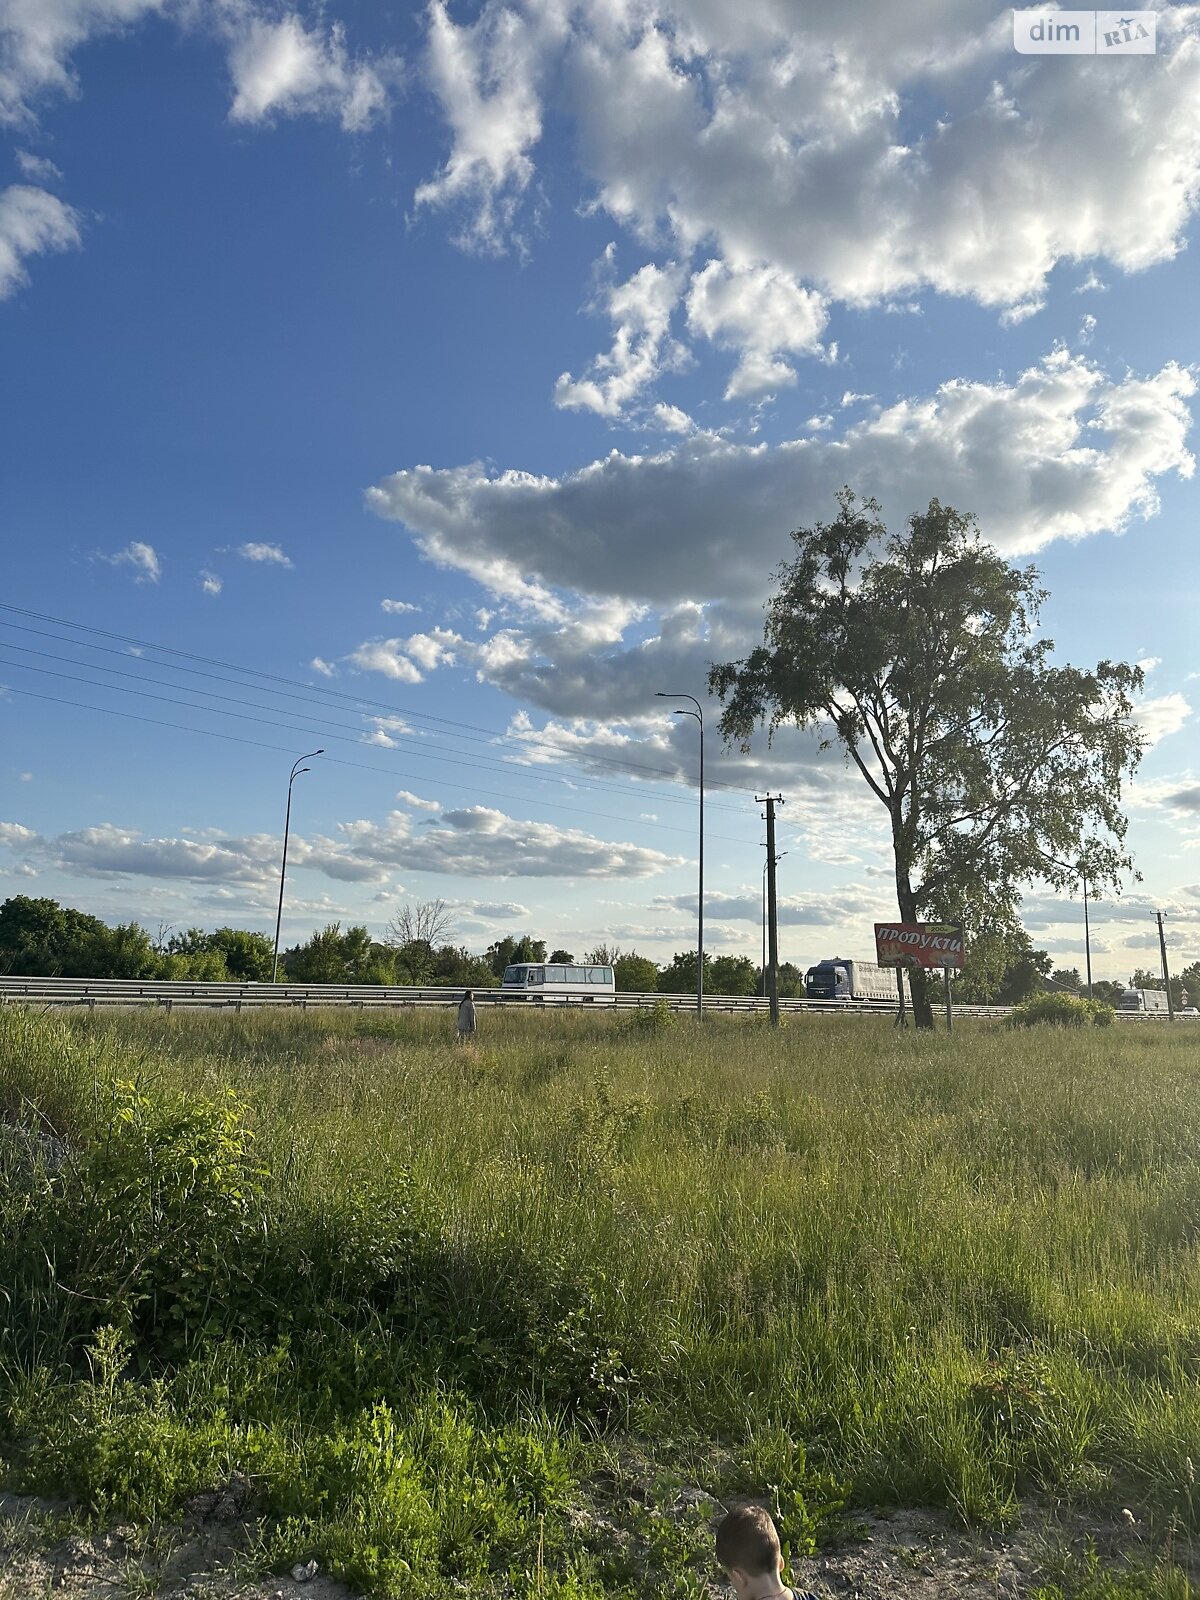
950,1270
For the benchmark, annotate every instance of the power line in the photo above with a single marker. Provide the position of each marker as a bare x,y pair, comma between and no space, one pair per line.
336,761
317,726
460,729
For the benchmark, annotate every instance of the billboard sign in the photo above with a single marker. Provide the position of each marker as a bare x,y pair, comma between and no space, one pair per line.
919,944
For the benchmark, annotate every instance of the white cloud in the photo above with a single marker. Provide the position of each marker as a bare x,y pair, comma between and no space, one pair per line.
278,64
485,74
143,557
109,850
25,777
398,607
1062,451
37,38
210,583
805,157
1090,285
268,554
432,649
474,842
384,655
32,222
280,67
642,348
325,668
672,420
1160,717
479,841
407,660
764,314
40,169
816,911
493,910
408,798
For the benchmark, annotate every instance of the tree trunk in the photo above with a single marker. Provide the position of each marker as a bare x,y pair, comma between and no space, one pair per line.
917,982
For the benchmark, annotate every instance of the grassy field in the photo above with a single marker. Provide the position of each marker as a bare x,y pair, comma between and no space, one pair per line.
433,1301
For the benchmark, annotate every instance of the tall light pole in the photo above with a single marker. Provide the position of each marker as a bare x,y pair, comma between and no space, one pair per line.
1087,934
699,716
297,769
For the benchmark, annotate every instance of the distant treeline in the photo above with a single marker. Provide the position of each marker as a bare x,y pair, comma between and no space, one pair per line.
41,938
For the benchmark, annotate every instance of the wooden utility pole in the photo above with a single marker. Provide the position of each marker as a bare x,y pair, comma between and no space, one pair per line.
1162,945
771,801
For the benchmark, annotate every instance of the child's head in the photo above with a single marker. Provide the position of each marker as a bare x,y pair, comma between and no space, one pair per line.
748,1548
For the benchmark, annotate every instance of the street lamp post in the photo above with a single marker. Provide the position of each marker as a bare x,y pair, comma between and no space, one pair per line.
1087,935
297,769
699,716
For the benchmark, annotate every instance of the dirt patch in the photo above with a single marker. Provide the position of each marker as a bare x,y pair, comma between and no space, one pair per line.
917,1555
205,1556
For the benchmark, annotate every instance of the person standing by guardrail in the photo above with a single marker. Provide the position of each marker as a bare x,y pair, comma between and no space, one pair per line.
467,1022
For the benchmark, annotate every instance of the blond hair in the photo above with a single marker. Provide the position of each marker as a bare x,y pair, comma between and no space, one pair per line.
747,1540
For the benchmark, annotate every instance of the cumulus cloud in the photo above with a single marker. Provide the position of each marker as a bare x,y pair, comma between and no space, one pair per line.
108,850
280,67
807,158
397,607
485,75
1161,716
210,583
142,557
475,842
479,841
1061,451
325,668
264,554
278,64
407,798
407,660
816,911
761,312
37,38
32,222
642,348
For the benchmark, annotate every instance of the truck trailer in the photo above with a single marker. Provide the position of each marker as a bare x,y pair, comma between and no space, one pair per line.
841,978
1149,1000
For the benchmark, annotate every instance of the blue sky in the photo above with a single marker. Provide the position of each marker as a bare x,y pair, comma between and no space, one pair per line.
442,382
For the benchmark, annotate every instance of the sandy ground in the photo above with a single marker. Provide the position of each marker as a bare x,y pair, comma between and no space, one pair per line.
921,1555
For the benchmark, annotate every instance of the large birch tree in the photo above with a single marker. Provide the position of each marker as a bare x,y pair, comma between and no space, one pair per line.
918,653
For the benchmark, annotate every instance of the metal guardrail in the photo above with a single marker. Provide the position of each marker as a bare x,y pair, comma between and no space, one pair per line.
93,992
185,993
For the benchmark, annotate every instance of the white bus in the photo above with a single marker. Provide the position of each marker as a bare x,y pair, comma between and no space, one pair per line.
544,980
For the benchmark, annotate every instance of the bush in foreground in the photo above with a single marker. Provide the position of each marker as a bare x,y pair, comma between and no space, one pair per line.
1061,1010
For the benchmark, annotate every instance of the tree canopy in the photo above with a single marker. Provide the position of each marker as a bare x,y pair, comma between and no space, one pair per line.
917,653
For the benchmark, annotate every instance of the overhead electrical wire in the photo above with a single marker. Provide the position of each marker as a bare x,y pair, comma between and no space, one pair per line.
339,761
365,705
321,724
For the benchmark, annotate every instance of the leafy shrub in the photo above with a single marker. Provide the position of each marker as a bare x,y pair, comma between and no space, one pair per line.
655,1018
1061,1010
162,1218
